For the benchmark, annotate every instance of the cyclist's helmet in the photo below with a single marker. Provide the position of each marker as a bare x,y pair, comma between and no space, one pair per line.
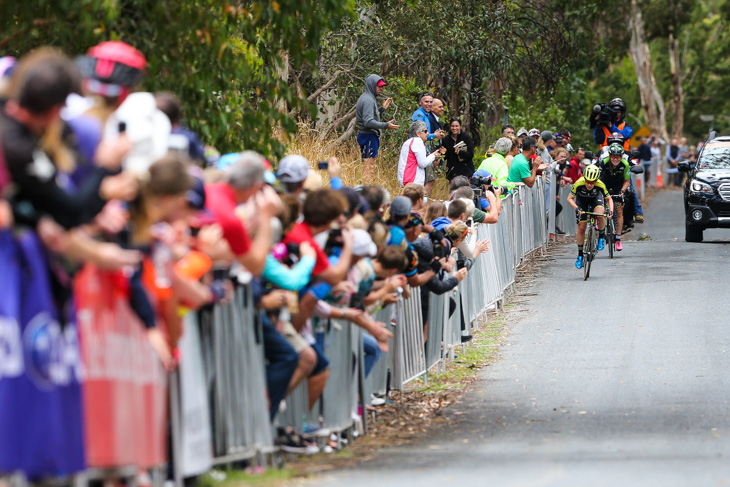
591,173
112,68
615,150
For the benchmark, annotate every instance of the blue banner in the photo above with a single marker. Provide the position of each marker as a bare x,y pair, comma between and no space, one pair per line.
41,429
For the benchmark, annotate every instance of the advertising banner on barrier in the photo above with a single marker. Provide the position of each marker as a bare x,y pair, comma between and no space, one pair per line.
125,386
197,440
41,430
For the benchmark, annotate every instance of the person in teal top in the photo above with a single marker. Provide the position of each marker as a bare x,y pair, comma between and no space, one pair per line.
521,171
291,279
497,165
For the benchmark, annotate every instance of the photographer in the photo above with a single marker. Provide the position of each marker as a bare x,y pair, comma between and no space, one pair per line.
459,151
607,120
488,196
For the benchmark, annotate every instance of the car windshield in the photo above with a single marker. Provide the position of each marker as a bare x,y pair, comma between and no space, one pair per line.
715,156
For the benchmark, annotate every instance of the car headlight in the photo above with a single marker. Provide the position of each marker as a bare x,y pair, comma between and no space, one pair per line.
700,187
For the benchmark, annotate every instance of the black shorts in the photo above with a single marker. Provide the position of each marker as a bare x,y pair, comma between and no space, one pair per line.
589,204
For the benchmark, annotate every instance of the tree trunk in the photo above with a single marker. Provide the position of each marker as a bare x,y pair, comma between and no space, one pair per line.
282,71
651,100
677,91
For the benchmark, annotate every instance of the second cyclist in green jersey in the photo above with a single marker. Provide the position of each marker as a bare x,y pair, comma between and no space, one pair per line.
616,175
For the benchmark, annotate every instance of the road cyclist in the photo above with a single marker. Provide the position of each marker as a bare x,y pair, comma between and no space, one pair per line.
589,194
616,176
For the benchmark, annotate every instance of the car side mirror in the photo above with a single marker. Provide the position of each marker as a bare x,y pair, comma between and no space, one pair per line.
638,169
684,166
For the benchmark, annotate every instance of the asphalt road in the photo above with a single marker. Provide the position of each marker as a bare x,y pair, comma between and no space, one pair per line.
622,380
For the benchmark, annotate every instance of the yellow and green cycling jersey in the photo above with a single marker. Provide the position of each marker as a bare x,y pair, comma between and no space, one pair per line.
580,191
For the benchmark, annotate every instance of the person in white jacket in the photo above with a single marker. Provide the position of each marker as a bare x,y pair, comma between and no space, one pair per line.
413,156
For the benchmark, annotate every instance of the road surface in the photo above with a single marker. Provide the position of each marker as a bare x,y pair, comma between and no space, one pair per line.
622,380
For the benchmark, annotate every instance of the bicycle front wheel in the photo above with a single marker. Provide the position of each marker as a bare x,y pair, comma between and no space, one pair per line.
588,252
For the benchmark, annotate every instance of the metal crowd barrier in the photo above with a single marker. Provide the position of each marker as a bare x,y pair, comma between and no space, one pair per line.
237,376
409,361
566,219
218,405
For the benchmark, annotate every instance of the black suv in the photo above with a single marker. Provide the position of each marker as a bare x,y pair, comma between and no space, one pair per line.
707,189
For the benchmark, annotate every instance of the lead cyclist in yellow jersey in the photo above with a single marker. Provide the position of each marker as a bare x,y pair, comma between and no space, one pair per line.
590,194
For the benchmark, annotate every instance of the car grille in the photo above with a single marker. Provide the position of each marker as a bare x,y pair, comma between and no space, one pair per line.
724,191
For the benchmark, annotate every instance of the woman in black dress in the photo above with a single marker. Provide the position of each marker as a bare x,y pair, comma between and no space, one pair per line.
459,160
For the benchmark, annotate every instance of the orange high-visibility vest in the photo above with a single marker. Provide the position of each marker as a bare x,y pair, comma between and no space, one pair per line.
608,133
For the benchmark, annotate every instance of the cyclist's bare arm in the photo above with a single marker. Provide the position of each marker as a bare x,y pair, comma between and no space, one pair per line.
571,201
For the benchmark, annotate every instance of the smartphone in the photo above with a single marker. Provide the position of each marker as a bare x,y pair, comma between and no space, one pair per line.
324,165
122,127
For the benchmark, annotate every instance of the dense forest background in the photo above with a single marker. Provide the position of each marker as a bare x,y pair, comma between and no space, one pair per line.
251,74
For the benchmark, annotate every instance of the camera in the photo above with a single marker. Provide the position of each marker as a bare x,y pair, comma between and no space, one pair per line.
602,114
324,165
334,241
478,181
439,249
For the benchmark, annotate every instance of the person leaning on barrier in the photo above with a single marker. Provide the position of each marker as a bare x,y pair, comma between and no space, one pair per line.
416,193
436,209
491,195
477,215
439,283
245,181
37,91
522,169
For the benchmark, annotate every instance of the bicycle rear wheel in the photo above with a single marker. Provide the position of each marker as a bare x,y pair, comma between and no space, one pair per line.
610,238
588,253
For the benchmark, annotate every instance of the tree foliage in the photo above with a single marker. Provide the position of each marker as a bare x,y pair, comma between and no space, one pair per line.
221,58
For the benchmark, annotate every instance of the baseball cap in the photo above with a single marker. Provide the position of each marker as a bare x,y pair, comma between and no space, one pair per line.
483,173
293,169
533,132
522,131
401,206
363,245
546,135
382,82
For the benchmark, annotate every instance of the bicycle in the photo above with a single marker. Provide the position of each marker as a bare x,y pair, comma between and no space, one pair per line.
590,248
612,224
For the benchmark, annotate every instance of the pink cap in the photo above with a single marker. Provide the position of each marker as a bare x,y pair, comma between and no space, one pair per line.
381,83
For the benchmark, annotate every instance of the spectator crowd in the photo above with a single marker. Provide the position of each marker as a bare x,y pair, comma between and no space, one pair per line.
105,176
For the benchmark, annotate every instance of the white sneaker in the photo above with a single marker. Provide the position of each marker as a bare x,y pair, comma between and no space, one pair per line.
376,401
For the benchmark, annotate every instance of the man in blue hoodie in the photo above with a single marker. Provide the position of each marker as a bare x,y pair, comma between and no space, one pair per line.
367,115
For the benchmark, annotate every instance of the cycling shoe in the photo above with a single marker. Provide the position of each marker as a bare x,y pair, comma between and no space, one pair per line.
601,243
619,246
579,262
